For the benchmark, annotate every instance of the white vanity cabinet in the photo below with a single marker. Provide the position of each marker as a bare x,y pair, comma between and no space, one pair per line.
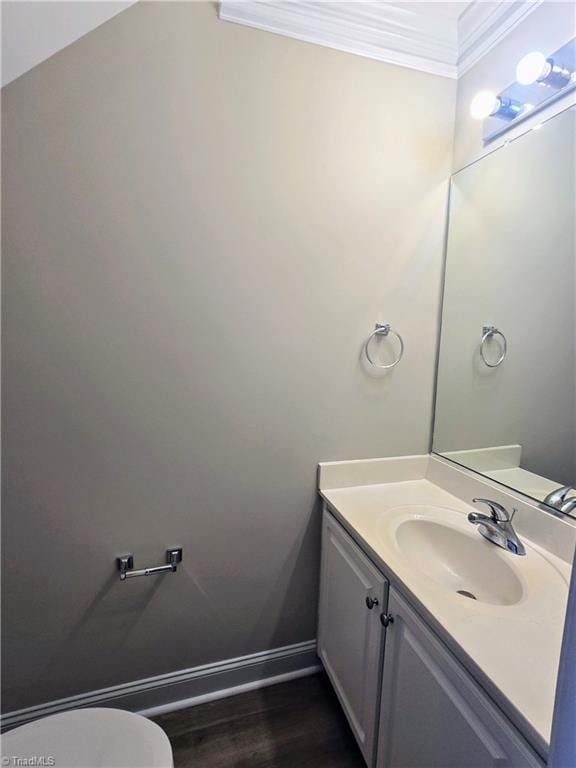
410,703
433,715
353,594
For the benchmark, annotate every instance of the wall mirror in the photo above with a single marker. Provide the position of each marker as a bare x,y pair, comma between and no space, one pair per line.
506,381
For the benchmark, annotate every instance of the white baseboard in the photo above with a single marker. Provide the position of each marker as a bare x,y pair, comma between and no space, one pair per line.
187,687
225,693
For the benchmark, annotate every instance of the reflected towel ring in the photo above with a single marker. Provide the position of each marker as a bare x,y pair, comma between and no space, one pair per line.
488,331
383,329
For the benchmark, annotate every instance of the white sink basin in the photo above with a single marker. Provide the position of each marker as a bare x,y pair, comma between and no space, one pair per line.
446,554
463,562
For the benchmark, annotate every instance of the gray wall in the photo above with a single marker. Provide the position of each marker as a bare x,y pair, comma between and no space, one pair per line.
202,222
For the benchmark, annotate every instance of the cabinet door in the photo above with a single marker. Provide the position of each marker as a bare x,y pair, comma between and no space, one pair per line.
350,634
433,714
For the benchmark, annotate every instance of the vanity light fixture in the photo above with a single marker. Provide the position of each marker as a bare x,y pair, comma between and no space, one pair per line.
540,80
488,104
536,68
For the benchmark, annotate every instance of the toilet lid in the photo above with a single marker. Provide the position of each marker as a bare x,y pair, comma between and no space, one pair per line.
89,738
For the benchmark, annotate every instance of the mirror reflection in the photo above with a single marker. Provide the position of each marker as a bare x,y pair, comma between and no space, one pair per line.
506,387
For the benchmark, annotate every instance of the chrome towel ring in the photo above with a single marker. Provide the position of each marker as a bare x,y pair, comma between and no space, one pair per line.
488,332
383,329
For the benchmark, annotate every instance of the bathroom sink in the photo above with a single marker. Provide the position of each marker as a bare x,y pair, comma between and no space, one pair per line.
497,610
463,562
440,547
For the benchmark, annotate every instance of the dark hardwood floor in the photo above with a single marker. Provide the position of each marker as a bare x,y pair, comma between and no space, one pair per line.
298,724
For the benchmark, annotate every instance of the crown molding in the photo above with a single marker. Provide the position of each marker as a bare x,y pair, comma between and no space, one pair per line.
483,25
409,34
396,33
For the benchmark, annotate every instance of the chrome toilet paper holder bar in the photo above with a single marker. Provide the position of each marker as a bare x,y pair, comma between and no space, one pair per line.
125,565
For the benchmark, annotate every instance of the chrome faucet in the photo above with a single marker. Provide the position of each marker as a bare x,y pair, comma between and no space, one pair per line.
497,526
558,496
559,499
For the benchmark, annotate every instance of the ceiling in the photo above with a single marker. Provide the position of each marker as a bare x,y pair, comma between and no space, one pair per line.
444,38
34,30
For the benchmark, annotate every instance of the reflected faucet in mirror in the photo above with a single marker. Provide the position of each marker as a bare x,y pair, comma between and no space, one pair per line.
559,499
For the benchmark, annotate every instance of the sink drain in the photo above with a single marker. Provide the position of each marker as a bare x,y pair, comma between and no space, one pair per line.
465,593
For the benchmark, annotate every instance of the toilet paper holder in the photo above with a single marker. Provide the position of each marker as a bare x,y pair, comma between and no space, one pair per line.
125,565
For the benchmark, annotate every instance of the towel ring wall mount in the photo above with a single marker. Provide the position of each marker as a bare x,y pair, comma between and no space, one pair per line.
383,329
488,332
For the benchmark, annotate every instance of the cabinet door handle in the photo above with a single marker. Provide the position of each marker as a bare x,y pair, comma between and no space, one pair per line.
371,602
386,619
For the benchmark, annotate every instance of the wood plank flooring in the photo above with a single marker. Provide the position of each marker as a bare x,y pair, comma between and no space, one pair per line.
298,724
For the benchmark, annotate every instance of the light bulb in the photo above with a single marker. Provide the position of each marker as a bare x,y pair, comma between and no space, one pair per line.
484,104
532,68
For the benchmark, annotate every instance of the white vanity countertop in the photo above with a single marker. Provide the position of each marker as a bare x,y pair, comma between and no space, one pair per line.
512,650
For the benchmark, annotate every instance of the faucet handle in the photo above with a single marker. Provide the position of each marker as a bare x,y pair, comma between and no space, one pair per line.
568,505
498,513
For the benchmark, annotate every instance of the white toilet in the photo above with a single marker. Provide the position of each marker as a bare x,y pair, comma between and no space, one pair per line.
89,738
